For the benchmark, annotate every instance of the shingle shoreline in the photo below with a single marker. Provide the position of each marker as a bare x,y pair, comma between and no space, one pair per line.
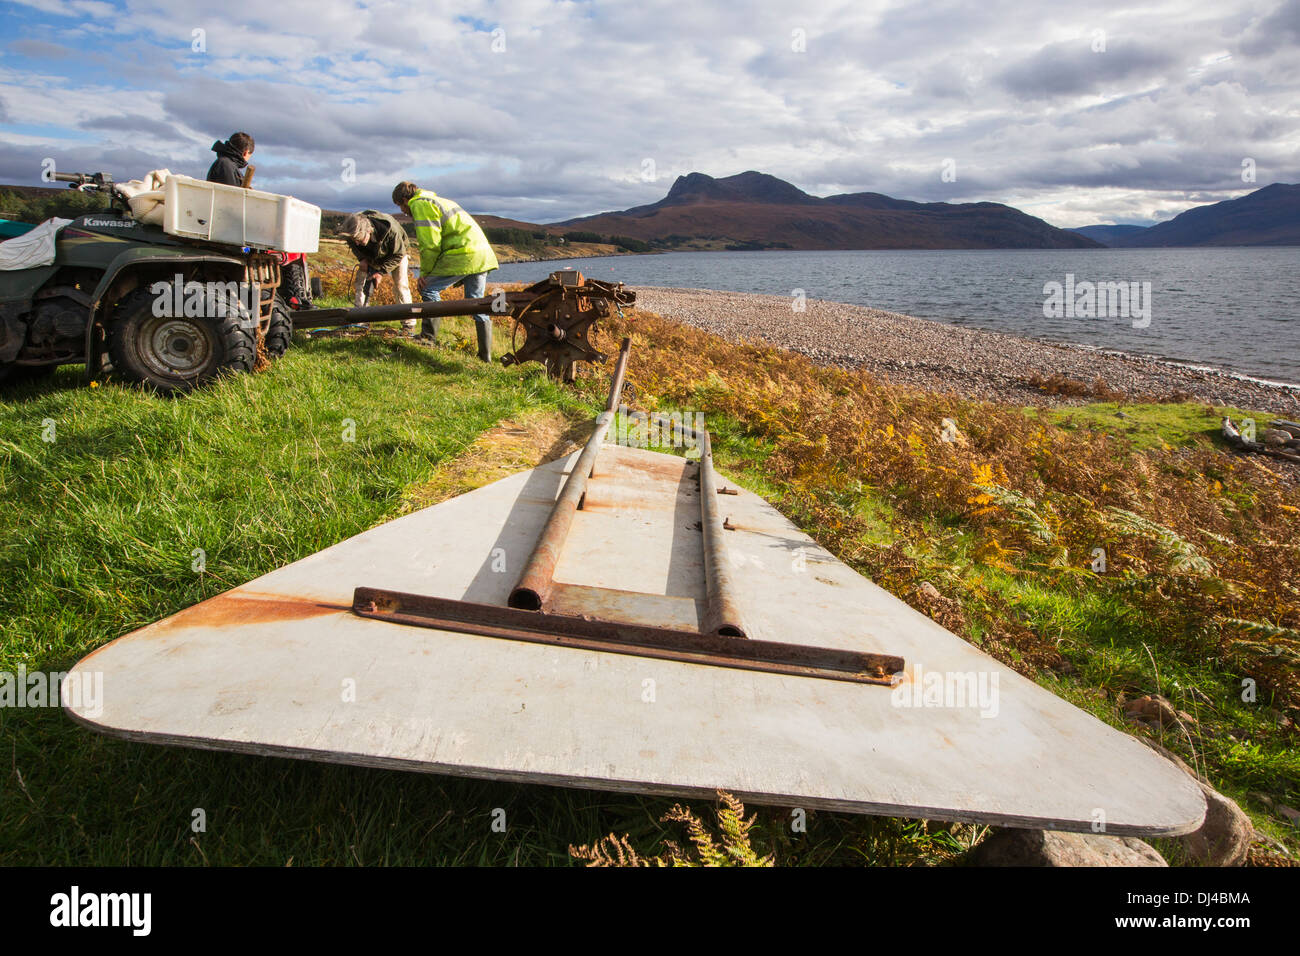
973,363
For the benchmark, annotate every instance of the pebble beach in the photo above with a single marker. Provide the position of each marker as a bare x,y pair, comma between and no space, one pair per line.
972,363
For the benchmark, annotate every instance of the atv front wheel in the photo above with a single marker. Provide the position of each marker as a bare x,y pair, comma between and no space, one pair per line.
178,353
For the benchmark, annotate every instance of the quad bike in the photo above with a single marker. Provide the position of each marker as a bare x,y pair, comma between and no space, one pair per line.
174,312
165,311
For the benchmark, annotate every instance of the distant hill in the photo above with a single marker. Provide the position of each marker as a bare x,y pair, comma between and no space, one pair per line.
1109,235
755,210
498,222
1267,217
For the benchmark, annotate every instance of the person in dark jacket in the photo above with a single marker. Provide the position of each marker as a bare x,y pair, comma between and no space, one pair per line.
380,245
232,157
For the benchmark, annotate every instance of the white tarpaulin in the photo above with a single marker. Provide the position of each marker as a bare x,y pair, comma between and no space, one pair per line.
32,249
145,196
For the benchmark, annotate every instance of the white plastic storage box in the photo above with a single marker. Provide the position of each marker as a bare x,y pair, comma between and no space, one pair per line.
236,216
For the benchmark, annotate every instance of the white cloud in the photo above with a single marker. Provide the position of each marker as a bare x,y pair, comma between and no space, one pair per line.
71,8
558,125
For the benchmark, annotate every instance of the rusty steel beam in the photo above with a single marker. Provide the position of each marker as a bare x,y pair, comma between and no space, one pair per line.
722,613
327,318
534,587
620,376
677,428
638,640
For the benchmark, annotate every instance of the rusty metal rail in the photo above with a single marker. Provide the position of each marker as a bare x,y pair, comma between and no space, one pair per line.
638,640
329,318
534,587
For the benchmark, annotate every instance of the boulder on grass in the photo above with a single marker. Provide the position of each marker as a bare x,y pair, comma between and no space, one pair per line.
1052,848
1225,837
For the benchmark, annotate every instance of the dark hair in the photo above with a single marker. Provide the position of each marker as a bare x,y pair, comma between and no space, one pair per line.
241,142
403,192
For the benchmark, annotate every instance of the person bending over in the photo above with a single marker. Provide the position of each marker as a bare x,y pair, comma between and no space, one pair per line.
380,246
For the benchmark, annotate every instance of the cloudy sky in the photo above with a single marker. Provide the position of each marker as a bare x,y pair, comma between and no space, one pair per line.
1079,113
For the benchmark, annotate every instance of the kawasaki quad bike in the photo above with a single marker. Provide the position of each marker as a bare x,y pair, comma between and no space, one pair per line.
154,308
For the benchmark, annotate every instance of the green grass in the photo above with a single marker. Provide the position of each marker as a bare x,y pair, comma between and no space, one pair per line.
1154,426
1231,742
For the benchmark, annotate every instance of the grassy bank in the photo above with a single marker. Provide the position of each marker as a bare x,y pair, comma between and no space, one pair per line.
104,524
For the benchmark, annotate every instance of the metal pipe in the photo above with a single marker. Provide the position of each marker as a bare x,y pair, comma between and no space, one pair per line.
325,318
620,373
534,588
722,614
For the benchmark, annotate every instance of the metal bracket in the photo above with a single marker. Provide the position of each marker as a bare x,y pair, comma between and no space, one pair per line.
560,630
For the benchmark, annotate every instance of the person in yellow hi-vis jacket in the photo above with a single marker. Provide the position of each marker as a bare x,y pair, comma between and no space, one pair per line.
453,251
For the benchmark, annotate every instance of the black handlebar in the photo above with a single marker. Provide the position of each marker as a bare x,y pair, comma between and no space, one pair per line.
99,180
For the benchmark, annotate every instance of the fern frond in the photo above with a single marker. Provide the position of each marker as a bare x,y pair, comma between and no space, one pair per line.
1023,510
1179,554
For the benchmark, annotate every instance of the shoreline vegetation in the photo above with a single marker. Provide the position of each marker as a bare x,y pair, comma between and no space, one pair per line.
510,254
334,253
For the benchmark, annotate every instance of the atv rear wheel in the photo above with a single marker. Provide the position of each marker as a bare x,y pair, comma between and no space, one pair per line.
177,353
294,284
280,331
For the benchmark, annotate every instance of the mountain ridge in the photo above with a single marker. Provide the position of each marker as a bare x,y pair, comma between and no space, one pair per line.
754,209
1269,216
